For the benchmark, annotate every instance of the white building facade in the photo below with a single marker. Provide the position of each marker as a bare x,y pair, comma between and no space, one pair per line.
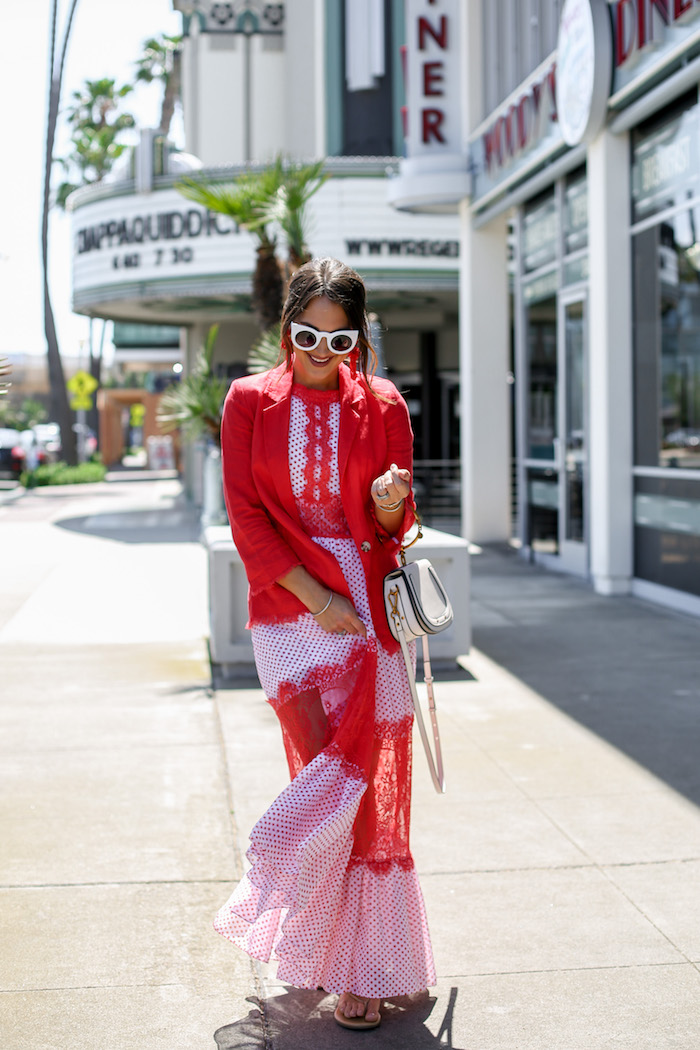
309,79
579,283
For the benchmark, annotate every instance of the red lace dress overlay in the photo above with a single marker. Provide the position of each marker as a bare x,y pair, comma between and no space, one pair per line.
332,892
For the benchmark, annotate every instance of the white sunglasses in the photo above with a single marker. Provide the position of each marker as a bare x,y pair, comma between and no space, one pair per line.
340,342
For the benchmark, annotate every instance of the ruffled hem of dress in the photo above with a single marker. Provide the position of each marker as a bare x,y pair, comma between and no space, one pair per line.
353,953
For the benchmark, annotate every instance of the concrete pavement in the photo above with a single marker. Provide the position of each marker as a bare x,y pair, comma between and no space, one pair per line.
561,871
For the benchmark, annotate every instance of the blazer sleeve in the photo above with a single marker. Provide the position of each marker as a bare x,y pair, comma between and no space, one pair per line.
399,438
266,555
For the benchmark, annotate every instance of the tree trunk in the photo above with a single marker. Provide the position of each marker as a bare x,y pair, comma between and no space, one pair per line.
171,93
60,408
267,288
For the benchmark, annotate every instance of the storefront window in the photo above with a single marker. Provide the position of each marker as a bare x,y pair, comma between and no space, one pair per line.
540,233
543,510
667,532
667,342
666,160
542,378
576,212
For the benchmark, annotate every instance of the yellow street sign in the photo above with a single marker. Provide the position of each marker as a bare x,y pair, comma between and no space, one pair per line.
82,385
136,414
81,403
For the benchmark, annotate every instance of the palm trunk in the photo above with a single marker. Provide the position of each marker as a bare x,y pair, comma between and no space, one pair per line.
171,93
267,287
60,408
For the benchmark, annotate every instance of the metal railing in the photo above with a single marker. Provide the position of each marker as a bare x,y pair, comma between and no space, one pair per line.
438,489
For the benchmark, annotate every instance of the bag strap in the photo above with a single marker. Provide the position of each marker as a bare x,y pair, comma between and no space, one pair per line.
419,536
435,765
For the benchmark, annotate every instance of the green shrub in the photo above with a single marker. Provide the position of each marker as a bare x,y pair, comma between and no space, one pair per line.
62,474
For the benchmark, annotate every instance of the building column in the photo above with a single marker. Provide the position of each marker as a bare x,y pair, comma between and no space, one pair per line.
610,365
484,363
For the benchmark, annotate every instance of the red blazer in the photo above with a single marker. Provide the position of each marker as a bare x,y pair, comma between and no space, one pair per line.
266,526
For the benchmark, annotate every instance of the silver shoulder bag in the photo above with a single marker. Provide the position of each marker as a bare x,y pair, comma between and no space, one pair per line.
417,606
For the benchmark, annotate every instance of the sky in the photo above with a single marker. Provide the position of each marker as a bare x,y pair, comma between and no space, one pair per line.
105,41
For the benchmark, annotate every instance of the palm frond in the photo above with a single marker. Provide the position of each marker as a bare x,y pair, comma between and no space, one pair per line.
5,370
194,404
266,352
242,201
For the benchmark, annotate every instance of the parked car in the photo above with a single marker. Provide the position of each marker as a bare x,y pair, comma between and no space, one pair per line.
12,453
19,450
49,437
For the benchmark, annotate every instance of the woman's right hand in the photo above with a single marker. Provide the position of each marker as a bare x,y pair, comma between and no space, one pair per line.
340,618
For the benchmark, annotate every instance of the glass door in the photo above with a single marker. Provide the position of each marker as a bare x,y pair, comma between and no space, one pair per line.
554,440
572,446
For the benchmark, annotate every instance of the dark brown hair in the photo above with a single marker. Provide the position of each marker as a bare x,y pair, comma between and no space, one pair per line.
342,285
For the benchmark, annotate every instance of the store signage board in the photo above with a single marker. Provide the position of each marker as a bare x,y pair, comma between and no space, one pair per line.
162,237
584,67
528,127
647,34
434,172
520,134
433,114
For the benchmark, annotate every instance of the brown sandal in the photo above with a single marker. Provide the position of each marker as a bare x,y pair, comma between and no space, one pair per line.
358,1023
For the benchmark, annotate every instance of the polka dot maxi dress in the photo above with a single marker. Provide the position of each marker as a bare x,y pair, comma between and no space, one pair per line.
332,892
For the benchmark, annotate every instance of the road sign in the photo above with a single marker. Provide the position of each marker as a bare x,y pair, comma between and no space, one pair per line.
82,384
136,414
81,404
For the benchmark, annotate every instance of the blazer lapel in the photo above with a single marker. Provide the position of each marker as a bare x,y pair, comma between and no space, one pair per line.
351,401
275,419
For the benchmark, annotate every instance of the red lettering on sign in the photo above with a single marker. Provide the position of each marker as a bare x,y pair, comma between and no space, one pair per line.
641,22
552,81
433,79
492,144
536,96
523,122
438,35
662,7
625,31
680,7
432,125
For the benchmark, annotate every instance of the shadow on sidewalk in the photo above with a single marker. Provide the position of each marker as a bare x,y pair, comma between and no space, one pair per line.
172,525
624,668
297,1019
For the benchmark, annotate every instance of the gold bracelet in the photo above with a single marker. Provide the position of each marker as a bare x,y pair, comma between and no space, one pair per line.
326,606
392,506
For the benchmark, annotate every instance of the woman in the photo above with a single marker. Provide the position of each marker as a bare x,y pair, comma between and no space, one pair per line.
317,460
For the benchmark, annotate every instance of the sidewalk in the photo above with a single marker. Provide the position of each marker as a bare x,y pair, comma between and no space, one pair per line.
561,871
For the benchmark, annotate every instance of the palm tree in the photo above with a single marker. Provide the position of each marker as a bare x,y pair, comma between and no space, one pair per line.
245,202
162,60
288,209
60,409
96,123
194,404
257,201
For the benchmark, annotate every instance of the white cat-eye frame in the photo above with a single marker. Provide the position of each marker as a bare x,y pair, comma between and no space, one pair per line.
340,342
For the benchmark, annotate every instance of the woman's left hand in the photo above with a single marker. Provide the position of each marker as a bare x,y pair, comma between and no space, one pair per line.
391,486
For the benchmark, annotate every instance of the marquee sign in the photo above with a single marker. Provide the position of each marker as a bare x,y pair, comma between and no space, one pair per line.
160,236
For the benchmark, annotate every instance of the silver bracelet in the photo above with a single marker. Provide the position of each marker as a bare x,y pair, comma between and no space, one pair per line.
391,506
326,606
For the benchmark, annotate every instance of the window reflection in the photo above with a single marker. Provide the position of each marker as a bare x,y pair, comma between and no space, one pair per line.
667,351
542,378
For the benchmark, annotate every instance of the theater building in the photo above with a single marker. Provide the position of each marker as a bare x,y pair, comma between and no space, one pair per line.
311,79
579,276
